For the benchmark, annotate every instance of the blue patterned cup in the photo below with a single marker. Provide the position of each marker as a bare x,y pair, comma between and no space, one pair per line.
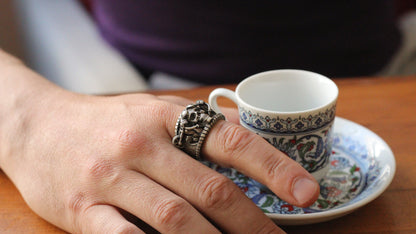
294,110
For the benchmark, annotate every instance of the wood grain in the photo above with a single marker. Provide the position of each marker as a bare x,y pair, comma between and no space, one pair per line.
387,106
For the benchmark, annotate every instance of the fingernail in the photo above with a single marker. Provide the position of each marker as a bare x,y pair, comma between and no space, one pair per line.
304,190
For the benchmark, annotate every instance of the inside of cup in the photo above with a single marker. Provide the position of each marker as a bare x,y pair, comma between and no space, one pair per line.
287,91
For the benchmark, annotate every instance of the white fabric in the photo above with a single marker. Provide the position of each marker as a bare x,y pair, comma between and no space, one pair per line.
64,45
404,62
160,80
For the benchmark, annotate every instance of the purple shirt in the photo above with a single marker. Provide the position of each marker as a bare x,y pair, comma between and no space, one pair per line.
225,41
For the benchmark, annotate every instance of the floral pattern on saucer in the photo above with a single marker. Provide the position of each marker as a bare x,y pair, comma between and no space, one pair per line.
352,169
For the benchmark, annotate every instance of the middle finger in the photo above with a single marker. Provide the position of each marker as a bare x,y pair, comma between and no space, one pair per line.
213,194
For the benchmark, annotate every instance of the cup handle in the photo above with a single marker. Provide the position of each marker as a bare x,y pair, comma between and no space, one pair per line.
212,99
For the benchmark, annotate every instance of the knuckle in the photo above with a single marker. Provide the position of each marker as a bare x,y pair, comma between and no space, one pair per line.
101,172
162,113
100,168
76,202
218,192
159,108
236,139
273,166
171,213
130,141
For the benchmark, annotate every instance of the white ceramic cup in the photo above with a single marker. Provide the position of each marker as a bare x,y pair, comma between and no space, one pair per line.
294,110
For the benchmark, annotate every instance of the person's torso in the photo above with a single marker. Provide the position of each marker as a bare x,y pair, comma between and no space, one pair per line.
226,41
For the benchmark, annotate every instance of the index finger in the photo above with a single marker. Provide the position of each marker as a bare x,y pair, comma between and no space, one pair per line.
232,145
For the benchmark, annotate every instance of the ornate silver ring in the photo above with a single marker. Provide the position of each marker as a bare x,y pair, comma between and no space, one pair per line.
193,126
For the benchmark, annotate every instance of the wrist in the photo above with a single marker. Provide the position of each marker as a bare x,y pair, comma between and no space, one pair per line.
24,95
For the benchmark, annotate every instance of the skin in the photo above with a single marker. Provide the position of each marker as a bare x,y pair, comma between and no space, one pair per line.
93,164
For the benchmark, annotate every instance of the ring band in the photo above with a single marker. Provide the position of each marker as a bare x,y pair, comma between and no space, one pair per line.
192,127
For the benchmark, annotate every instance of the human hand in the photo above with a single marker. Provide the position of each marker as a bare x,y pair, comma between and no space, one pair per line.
80,161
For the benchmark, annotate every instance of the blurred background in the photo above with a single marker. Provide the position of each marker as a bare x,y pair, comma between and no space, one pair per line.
58,39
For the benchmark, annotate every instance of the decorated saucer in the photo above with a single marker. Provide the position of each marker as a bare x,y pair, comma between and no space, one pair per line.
362,167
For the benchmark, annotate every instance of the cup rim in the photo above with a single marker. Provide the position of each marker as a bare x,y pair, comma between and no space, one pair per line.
256,76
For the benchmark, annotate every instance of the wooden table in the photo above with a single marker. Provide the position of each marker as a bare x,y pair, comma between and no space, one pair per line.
385,106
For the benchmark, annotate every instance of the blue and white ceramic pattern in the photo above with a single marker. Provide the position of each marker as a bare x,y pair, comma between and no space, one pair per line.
288,125
361,167
293,110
